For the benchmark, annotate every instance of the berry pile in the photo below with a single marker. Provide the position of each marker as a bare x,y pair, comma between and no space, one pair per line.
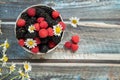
73,44
39,29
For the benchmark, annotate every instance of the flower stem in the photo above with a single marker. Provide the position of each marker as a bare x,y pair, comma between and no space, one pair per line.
14,77
4,76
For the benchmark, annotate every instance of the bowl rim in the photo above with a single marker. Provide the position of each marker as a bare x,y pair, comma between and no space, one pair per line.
38,53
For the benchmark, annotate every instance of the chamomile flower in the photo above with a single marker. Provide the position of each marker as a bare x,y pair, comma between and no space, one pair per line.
27,67
30,43
74,21
57,29
0,71
4,59
21,74
31,29
12,67
27,76
5,45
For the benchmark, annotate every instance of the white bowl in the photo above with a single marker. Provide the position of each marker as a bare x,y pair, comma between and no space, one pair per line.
16,26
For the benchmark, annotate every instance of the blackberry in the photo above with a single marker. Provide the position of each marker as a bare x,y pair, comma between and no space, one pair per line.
31,35
31,21
50,21
56,39
44,40
39,11
24,16
47,9
20,33
43,48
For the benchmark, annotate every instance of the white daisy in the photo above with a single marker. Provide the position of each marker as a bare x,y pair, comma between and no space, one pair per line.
12,67
4,59
30,43
21,74
5,45
57,29
31,29
74,21
27,67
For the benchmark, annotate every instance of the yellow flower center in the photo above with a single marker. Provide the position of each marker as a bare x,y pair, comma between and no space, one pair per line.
26,66
5,58
57,29
30,43
74,21
32,28
12,68
6,45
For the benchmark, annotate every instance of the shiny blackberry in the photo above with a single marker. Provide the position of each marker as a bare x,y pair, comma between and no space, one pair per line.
56,39
20,33
44,40
43,48
47,9
39,11
24,16
31,35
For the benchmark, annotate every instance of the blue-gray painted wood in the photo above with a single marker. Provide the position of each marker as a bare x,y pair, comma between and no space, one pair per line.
93,40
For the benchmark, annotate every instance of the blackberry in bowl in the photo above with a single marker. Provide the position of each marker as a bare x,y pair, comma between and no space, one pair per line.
39,29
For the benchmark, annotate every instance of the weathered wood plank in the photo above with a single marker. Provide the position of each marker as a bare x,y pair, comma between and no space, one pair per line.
84,10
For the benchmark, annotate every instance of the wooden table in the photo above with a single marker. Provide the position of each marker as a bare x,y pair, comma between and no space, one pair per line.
99,52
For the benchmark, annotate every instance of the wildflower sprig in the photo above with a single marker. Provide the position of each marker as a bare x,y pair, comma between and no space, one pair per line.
22,73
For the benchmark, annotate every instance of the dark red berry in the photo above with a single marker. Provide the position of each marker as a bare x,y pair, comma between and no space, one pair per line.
51,44
43,25
75,39
50,31
67,44
74,47
31,12
63,25
40,19
35,50
21,22
21,42
43,33
55,14
37,26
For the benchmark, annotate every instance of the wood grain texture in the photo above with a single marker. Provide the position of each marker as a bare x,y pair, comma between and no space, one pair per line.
95,42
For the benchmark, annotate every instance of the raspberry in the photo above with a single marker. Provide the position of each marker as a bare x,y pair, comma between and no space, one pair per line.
37,40
67,45
50,31
43,33
31,12
74,47
21,42
40,19
35,50
43,25
51,44
37,26
75,39
55,14
63,25
21,22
